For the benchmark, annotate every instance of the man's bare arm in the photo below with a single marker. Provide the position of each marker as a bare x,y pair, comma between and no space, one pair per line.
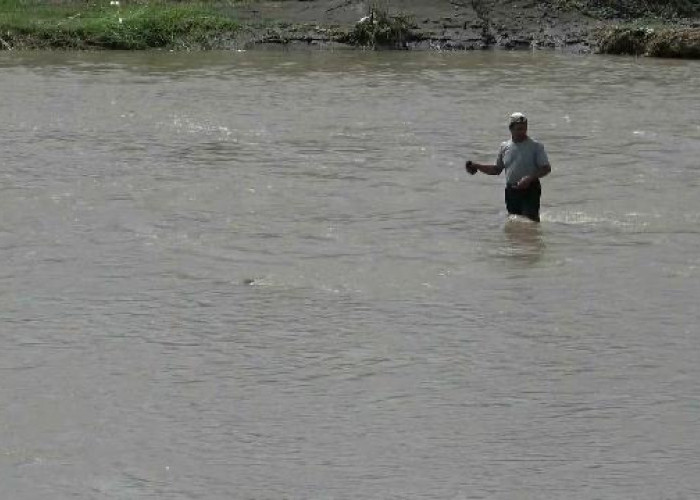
473,168
525,182
543,171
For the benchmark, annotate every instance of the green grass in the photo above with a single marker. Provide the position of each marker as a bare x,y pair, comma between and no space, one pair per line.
37,24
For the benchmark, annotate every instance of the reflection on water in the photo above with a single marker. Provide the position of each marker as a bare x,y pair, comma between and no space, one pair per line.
267,275
525,239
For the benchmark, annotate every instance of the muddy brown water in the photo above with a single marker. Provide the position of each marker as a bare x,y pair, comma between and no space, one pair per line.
266,275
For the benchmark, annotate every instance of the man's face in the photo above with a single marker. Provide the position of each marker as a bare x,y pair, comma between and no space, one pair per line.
519,131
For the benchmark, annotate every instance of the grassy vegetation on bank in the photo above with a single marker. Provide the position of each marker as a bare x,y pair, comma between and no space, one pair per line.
177,24
631,9
112,24
649,41
380,29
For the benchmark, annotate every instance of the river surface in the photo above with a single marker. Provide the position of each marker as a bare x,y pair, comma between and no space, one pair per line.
266,275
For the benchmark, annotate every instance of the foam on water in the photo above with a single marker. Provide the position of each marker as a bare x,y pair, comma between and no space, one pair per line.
629,221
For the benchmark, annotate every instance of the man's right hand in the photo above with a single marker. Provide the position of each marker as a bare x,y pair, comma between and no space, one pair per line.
471,168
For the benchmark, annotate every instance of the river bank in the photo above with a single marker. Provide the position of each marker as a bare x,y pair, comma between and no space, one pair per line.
567,25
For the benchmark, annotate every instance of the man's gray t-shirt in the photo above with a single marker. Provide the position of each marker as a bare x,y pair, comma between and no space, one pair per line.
520,159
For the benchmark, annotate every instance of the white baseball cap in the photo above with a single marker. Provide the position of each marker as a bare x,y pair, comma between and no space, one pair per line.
517,118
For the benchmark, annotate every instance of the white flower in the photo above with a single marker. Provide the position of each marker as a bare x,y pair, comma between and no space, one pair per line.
114,2
120,20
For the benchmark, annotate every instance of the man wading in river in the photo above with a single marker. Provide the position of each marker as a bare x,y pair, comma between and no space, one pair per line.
525,162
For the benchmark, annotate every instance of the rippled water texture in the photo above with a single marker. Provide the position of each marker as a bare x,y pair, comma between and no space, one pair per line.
267,276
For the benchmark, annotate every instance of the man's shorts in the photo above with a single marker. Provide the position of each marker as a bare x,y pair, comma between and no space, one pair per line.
525,202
